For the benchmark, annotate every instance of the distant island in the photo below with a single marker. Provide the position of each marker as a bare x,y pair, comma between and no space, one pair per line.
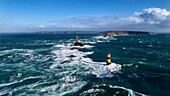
124,33
67,32
104,33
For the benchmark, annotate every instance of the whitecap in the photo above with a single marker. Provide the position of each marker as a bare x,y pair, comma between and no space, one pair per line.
70,45
90,91
7,84
71,87
85,46
101,37
141,62
30,51
91,62
127,64
68,56
106,70
150,45
90,42
98,89
59,45
100,41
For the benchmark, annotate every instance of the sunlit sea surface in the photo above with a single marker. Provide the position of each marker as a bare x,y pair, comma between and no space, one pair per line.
45,65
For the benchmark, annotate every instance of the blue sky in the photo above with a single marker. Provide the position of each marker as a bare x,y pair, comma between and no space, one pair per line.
39,15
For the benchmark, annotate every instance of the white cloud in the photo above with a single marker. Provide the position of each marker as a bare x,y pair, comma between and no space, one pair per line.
153,15
156,18
150,19
86,22
41,26
133,19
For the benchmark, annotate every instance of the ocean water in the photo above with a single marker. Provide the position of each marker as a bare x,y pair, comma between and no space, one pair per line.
47,65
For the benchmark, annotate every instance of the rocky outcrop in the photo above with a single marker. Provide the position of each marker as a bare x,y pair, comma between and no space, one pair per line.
77,43
124,33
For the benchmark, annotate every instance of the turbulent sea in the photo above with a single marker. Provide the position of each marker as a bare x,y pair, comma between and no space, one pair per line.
47,65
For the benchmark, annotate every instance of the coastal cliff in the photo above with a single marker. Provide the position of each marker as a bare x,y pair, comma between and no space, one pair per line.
124,33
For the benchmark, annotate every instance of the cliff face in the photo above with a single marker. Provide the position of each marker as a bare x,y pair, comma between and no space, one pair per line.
124,33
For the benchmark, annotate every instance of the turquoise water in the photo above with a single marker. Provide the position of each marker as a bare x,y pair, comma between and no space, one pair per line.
32,64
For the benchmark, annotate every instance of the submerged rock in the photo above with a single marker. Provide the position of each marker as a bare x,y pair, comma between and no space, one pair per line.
78,44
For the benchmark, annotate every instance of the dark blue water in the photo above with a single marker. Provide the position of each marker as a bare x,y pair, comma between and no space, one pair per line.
34,64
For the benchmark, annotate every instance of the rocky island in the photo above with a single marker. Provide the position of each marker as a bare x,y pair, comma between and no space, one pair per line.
124,33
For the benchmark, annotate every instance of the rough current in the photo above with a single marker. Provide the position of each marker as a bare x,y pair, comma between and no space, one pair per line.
45,65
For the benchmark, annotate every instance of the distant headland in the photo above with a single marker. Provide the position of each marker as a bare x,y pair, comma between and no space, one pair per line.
124,33
105,33
67,32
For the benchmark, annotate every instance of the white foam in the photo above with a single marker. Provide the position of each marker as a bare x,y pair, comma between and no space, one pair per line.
87,60
127,64
69,52
16,51
96,90
13,50
65,52
106,70
90,91
49,43
53,66
19,75
70,78
101,37
91,62
90,42
59,45
7,84
141,62
100,41
30,51
85,46
140,42
73,56
105,38
49,88
70,45
130,92
150,45
71,87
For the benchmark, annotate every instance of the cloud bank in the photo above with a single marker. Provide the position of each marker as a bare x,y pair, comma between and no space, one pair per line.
150,19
